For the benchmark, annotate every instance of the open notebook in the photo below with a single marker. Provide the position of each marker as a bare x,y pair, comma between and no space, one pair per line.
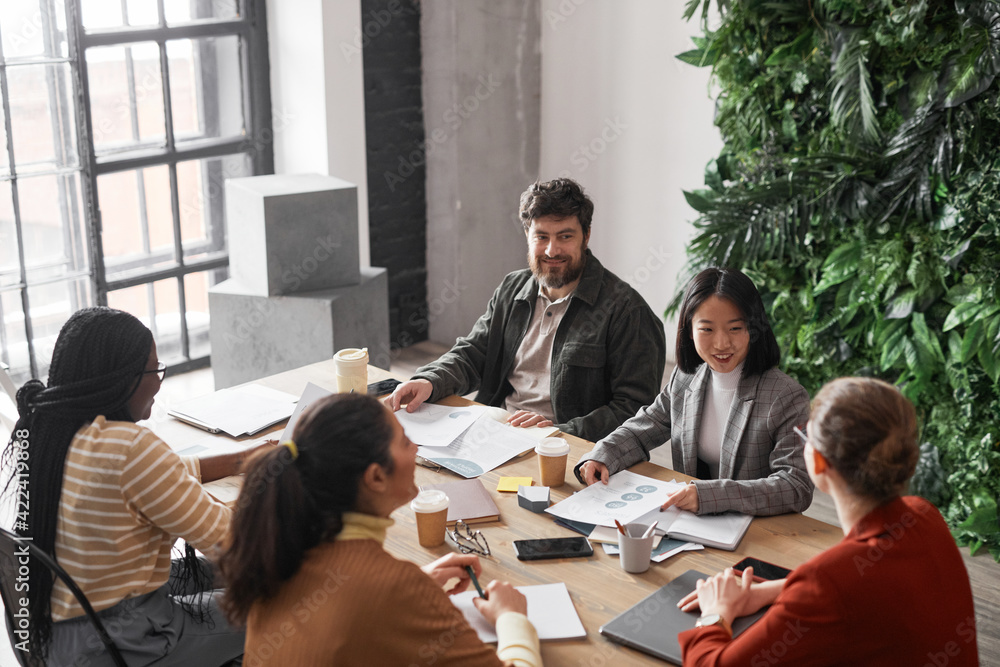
722,531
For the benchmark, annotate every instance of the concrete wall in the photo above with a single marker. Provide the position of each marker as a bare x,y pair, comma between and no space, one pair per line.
317,94
633,125
481,116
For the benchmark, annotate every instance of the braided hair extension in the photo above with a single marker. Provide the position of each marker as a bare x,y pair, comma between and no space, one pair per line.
96,367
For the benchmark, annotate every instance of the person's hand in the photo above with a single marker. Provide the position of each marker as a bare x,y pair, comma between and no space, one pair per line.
727,594
411,393
452,566
592,471
525,418
762,593
685,499
502,598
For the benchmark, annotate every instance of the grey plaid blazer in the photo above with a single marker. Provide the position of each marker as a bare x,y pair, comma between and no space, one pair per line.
762,470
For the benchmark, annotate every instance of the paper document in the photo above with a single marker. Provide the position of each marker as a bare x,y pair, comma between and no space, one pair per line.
437,425
225,490
625,497
664,550
237,411
550,610
722,531
310,395
484,446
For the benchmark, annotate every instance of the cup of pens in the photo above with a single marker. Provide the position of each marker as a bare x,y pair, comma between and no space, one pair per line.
635,546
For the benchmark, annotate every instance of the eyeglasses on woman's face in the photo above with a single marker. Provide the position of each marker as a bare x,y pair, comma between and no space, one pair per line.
161,371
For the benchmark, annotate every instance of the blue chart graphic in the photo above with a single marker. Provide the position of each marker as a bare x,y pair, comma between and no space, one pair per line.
646,489
632,496
459,414
615,505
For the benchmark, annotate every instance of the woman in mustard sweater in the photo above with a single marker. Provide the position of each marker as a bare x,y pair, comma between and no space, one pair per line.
306,570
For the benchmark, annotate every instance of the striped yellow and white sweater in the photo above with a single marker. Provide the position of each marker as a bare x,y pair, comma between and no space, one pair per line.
126,498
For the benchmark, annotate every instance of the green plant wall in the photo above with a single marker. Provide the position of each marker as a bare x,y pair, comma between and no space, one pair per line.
859,186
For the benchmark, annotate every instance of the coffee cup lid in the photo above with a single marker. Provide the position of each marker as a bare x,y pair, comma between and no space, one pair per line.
352,354
430,500
552,447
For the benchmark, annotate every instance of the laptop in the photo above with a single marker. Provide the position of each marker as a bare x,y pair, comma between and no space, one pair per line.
652,625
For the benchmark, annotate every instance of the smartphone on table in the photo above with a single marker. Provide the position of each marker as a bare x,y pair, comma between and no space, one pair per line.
555,547
383,387
762,570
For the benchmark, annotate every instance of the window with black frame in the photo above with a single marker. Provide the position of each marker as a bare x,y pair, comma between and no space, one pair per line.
121,120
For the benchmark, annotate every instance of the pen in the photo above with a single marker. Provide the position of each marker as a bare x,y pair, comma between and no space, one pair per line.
475,582
649,531
621,528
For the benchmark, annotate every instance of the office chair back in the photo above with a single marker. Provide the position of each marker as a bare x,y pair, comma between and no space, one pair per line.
8,400
12,550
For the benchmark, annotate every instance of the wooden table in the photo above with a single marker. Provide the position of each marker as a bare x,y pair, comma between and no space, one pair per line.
600,589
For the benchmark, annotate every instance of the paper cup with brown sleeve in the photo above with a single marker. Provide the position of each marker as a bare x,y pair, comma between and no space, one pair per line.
352,370
552,454
431,509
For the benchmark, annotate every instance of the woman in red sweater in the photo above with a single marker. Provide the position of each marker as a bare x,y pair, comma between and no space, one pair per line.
894,592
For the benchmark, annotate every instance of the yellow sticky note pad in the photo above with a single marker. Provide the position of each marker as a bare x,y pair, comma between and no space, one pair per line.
511,483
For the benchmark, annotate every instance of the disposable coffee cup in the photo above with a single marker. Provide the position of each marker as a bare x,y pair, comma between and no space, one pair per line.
635,552
552,454
352,370
431,509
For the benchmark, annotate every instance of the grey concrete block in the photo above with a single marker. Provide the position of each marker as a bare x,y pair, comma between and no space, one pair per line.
290,234
255,336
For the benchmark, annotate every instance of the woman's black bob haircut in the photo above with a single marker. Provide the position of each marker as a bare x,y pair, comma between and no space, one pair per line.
733,285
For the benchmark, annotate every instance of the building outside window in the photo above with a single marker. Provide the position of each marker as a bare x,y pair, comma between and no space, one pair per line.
120,121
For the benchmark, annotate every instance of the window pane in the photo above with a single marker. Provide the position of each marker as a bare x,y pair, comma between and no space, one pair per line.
196,294
51,305
10,272
201,193
206,89
126,110
184,11
25,25
137,230
102,14
15,351
155,304
41,117
52,226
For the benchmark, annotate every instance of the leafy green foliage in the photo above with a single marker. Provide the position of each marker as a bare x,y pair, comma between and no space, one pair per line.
859,186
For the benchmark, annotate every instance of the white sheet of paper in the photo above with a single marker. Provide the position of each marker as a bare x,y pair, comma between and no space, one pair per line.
212,444
437,425
484,446
613,550
310,395
625,497
535,432
550,610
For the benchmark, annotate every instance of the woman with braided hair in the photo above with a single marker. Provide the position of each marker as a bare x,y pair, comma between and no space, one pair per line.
108,499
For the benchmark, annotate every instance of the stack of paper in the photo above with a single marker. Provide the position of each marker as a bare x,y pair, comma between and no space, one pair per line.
468,440
237,411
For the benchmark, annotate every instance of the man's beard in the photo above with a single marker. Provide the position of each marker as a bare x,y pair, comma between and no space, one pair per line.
557,277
